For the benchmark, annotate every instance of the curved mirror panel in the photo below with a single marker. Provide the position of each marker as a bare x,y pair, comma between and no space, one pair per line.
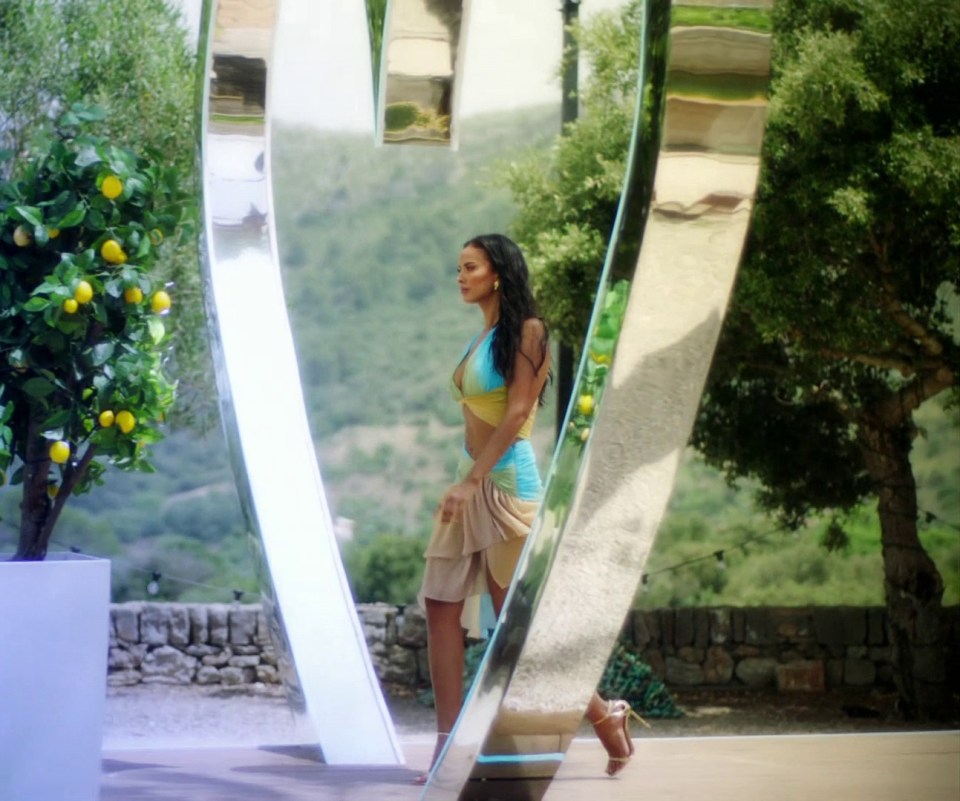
368,238
687,200
306,597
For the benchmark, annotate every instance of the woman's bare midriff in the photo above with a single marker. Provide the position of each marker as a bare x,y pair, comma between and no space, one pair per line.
476,433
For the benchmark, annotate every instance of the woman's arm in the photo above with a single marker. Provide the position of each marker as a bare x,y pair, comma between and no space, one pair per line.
529,375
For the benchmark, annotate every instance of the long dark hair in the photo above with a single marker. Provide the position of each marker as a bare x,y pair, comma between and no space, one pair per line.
516,304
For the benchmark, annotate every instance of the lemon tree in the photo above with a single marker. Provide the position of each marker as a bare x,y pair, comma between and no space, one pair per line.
84,228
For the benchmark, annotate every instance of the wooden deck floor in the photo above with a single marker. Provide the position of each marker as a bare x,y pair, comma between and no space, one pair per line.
846,767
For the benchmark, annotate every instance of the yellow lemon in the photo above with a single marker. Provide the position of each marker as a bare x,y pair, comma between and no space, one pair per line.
160,302
106,418
52,489
22,236
53,233
70,306
83,293
133,294
585,404
126,421
585,435
112,252
59,451
111,187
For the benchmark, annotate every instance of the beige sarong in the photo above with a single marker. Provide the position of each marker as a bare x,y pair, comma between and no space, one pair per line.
486,539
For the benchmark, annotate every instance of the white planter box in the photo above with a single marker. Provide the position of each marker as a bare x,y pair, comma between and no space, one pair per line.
54,632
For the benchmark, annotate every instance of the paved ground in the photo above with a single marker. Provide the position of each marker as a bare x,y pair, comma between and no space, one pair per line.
215,744
171,716
846,767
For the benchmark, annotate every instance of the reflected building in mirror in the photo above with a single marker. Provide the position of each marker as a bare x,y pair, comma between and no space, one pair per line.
420,72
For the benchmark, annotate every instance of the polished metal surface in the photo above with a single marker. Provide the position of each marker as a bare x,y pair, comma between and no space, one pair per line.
418,79
687,201
670,267
313,622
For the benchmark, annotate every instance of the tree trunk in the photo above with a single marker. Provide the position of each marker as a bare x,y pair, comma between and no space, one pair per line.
38,514
912,583
35,503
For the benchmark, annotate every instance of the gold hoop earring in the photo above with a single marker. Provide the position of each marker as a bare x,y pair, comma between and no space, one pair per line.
496,285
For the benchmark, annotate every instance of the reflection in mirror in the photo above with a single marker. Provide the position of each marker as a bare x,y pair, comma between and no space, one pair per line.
687,200
421,71
376,20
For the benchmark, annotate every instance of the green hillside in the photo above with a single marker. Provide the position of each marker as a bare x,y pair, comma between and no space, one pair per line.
369,240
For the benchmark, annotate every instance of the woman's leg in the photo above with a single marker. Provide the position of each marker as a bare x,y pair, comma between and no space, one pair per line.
498,594
445,651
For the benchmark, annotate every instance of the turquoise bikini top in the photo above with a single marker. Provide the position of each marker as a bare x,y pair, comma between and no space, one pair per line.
483,390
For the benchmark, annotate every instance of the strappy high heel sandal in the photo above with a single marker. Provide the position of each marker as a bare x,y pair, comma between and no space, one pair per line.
618,721
421,779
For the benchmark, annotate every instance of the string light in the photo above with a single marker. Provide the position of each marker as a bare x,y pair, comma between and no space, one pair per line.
153,585
930,517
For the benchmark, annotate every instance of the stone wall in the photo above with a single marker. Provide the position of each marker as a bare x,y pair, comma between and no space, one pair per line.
805,648
791,648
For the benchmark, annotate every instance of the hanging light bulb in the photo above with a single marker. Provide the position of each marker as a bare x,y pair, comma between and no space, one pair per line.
153,586
237,595
721,564
645,582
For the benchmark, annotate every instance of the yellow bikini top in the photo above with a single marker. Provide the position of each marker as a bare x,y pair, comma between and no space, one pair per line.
483,390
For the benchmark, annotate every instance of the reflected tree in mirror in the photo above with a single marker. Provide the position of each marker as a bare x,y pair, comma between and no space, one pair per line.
376,18
568,197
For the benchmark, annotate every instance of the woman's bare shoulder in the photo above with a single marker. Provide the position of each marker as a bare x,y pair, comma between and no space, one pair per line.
534,328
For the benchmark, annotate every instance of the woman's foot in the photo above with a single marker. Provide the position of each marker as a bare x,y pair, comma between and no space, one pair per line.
442,736
614,734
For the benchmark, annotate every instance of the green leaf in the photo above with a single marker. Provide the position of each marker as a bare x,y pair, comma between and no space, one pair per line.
88,113
36,304
73,217
30,214
38,387
156,328
136,185
87,156
102,352
96,220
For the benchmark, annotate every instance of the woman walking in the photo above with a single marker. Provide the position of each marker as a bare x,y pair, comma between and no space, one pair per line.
483,519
